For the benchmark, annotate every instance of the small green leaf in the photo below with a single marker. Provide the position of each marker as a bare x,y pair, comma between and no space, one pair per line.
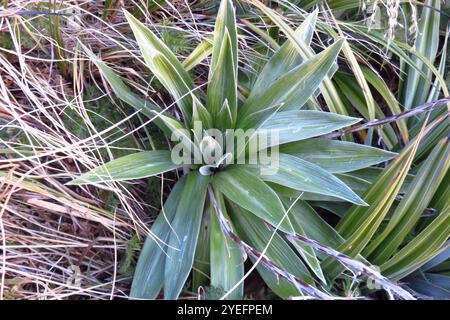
200,113
134,166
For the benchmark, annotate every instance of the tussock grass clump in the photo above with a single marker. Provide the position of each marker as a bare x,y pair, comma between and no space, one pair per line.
93,96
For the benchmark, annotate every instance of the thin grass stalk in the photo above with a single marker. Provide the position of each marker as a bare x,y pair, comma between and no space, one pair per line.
427,107
355,265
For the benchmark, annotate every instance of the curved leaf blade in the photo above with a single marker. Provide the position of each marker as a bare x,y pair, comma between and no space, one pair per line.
360,224
424,247
285,58
223,86
200,53
124,93
413,204
417,87
163,63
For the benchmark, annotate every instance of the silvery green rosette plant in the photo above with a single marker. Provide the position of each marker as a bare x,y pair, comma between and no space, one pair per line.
222,212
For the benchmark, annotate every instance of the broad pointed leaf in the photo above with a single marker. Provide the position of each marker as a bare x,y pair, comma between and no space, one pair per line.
224,65
257,234
327,88
184,234
289,126
337,156
222,87
250,192
286,58
148,277
163,63
227,259
294,88
301,175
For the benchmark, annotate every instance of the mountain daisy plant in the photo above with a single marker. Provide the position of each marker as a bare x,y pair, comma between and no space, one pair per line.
252,162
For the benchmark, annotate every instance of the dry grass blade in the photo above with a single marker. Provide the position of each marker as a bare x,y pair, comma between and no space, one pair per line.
57,242
426,107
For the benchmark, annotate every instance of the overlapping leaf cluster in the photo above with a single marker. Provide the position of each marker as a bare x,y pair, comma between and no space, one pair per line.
380,208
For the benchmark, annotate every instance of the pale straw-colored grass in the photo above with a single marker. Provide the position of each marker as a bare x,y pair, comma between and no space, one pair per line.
58,242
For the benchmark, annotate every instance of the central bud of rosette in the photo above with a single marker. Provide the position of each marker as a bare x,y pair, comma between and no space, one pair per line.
213,155
214,149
